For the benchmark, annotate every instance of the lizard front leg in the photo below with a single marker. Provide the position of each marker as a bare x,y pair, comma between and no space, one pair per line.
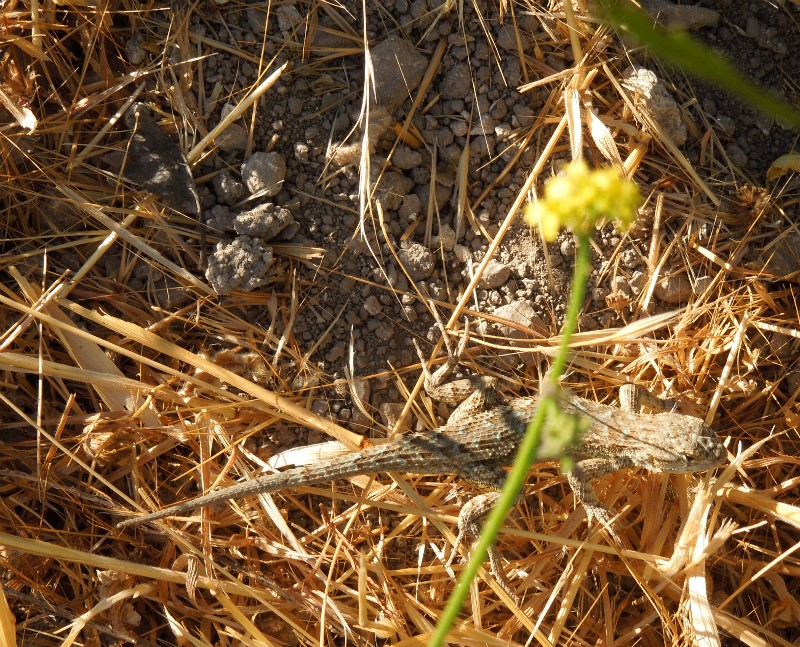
472,394
580,479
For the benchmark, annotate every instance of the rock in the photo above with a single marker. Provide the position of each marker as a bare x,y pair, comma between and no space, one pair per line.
390,413
289,19
417,260
156,163
134,52
227,188
520,312
781,258
673,288
651,96
219,219
372,305
392,189
411,206
507,39
675,17
405,158
241,264
264,221
457,84
446,238
263,173
495,275
399,67
232,139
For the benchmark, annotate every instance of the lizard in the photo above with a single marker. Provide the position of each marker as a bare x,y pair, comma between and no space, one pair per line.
481,438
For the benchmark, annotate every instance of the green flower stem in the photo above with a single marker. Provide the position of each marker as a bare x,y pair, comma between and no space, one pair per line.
526,453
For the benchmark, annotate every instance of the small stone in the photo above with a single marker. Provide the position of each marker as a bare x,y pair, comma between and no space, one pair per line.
417,261
264,221
673,288
392,189
781,258
301,150
494,275
650,95
457,83
411,206
372,305
737,155
263,173
520,312
256,20
507,39
390,414
227,188
134,52
446,238
241,264
399,67
405,158
320,407
233,139
219,218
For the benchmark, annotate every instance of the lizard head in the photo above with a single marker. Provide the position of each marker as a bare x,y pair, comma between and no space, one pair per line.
688,445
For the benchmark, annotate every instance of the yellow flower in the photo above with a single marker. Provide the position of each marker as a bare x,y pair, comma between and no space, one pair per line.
579,198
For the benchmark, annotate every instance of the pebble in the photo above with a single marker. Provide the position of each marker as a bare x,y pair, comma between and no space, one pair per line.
673,288
417,261
494,275
399,67
233,139
227,188
240,264
405,158
264,221
264,173
651,95
457,83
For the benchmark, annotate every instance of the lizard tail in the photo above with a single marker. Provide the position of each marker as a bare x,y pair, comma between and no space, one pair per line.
382,458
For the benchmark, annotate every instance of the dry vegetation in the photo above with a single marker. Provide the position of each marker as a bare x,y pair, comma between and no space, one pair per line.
113,399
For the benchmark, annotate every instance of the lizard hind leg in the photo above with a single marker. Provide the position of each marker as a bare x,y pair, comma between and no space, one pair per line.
469,527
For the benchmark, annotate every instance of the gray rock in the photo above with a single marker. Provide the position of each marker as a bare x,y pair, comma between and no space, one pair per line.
241,264
781,258
134,52
495,275
650,95
405,158
392,189
264,173
673,288
674,17
264,221
457,83
390,413
156,163
399,67
520,312
411,206
233,139
227,188
372,305
417,260
219,219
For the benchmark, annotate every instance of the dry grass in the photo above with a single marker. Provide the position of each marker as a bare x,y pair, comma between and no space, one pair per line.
113,398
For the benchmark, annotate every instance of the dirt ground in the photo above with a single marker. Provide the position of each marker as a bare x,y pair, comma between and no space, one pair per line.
231,246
